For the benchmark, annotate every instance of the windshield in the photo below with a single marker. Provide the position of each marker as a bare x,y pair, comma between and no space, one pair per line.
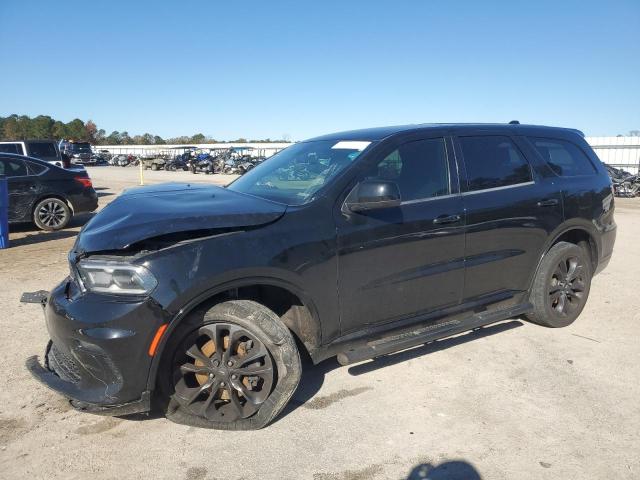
81,147
295,174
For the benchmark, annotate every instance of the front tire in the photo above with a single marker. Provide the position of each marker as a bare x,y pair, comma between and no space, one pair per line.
231,367
51,214
561,286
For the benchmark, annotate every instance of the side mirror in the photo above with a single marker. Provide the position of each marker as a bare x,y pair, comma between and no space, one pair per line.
372,195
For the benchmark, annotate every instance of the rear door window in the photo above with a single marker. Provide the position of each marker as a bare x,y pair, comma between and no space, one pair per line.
12,167
564,158
11,148
493,161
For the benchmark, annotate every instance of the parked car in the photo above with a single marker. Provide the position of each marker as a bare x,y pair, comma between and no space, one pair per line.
80,153
393,237
46,150
45,194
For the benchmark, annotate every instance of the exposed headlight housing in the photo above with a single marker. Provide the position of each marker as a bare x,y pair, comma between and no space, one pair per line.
105,276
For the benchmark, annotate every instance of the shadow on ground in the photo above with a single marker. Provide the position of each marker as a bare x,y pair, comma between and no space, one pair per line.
39,237
313,375
34,236
449,470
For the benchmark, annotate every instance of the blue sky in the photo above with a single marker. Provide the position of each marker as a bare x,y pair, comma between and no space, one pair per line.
261,69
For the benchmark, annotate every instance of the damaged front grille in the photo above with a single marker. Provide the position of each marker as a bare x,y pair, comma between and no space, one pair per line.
63,365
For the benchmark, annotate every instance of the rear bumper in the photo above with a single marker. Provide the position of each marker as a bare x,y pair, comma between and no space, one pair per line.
87,201
97,355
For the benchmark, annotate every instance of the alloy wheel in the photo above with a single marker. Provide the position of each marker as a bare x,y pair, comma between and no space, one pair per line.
567,286
224,374
52,214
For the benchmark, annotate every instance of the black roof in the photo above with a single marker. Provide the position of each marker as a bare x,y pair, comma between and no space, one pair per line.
25,157
379,133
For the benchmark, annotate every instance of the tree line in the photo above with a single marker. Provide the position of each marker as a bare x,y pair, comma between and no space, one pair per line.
22,127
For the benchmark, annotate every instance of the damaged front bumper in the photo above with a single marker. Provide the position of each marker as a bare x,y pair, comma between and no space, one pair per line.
97,355
47,376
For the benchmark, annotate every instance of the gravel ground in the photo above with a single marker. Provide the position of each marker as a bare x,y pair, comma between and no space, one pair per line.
518,401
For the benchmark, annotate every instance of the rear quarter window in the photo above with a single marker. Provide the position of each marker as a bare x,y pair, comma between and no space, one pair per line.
35,168
563,157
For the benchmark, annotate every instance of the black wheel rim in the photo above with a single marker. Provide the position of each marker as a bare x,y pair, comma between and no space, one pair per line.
567,286
52,214
223,374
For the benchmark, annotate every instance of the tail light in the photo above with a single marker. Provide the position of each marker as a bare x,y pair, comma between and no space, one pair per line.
85,181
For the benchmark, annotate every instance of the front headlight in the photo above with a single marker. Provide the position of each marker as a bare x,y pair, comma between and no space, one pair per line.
115,277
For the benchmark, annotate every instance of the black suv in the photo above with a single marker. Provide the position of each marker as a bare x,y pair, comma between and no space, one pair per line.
80,152
353,245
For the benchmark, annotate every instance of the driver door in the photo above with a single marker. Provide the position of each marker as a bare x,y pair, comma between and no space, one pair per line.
402,262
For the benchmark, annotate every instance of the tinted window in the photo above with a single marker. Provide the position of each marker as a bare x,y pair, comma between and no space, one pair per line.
12,168
564,158
11,148
35,168
419,168
493,161
42,150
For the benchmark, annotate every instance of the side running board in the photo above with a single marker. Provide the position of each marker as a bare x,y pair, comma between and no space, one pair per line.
425,334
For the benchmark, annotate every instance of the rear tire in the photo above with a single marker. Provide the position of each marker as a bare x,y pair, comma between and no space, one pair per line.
233,366
51,214
561,286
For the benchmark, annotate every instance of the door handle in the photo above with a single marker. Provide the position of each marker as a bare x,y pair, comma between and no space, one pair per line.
442,219
548,203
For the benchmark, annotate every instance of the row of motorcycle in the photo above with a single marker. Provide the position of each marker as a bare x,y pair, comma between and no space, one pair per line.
229,161
625,184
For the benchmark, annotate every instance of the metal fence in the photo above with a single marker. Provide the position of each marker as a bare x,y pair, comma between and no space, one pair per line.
619,152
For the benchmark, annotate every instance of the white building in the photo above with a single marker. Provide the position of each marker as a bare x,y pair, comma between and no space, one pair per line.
619,152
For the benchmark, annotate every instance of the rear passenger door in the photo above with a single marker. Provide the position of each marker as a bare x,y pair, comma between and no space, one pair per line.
510,211
22,188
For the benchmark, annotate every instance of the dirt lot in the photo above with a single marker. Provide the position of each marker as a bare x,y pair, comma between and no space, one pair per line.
519,401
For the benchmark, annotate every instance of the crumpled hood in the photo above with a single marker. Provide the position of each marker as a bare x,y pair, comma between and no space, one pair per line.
145,212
